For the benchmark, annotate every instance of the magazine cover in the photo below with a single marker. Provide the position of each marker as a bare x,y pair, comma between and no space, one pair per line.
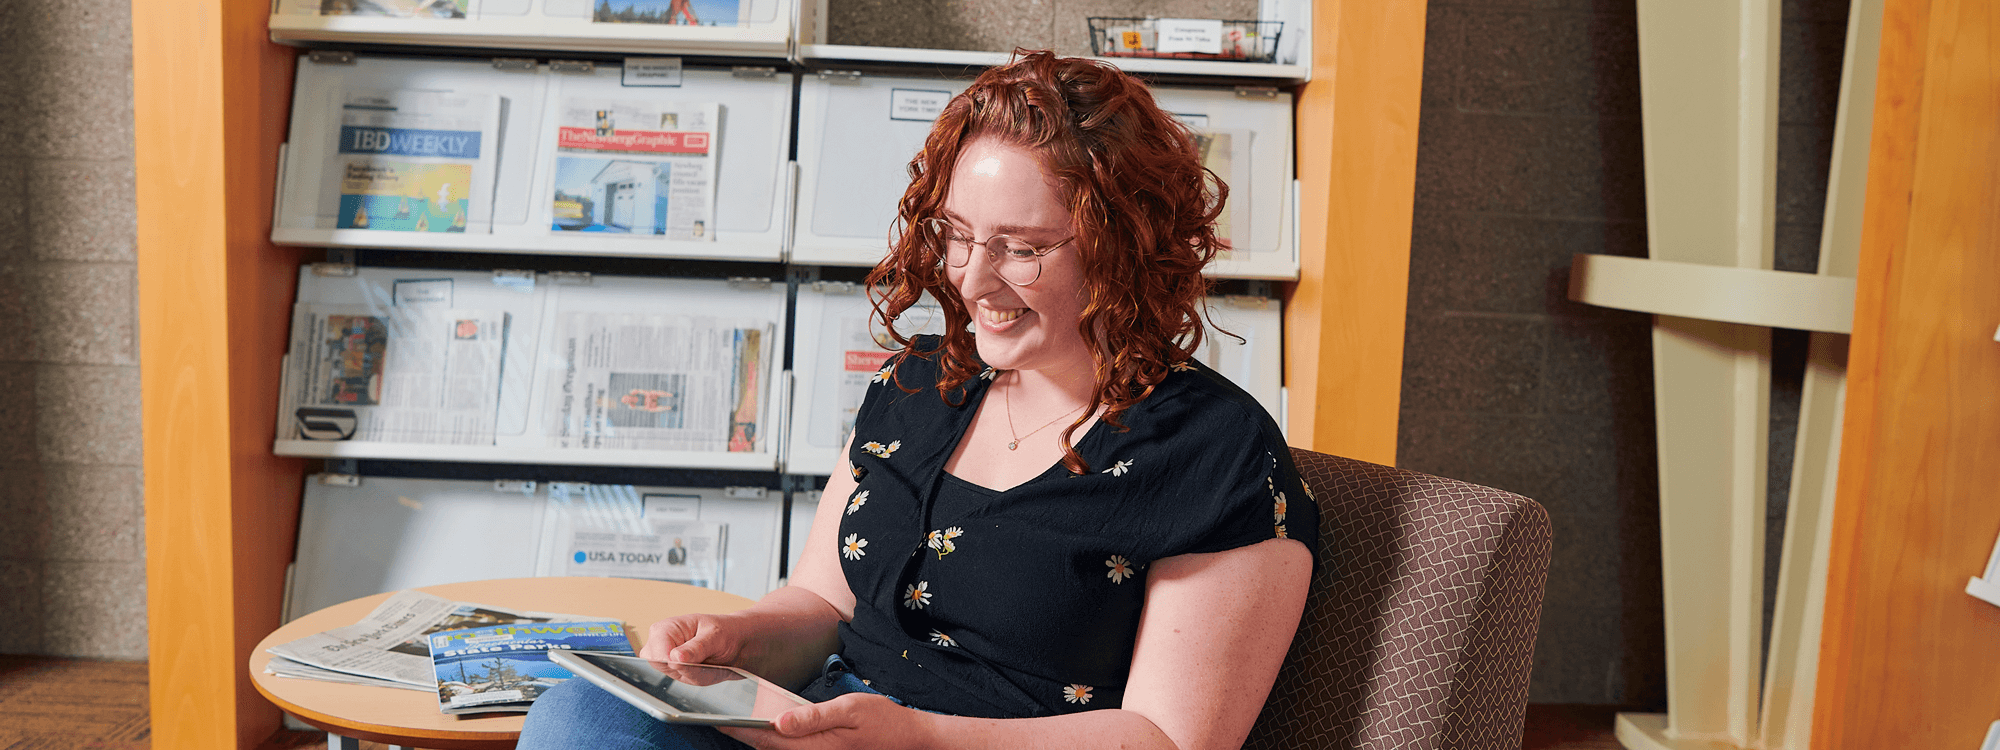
632,167
397,8
506,667
413,161
677,12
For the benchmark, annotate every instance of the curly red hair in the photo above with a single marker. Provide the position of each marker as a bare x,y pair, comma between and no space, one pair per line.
1144,210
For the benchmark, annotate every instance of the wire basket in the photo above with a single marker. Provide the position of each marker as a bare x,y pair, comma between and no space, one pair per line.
1241,41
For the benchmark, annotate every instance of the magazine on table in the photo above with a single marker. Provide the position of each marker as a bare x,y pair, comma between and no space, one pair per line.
658,382
413,161
406,373
389,645
636,167
506,667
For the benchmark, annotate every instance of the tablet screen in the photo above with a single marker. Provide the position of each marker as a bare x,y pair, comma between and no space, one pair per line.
697,689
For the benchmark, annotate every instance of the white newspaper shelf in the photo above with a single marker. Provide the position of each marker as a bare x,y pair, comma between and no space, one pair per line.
857,136
703,403
1293,62
386,534
831,365
752,191
762,28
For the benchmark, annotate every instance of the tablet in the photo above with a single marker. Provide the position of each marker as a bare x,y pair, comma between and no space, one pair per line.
683,693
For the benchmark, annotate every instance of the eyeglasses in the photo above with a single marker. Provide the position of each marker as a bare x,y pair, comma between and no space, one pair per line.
1016,260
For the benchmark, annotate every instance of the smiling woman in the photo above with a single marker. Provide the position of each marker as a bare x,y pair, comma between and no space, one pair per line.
1133,580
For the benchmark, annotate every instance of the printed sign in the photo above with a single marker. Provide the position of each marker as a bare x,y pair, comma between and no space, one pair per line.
917,104
1198,35
652,71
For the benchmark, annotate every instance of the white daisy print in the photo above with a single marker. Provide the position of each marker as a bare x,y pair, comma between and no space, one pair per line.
852,549
861,498
880,450
1279,531
1182,366
856,471
942,639
1079,694
915,597
1120,569
882,376
988,374
942,540
1118,469
1278,509
1308,488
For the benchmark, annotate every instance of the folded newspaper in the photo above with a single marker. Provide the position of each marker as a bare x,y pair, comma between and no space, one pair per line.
506,667
389,647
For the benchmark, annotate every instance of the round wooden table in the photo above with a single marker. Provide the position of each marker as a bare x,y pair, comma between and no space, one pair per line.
410,717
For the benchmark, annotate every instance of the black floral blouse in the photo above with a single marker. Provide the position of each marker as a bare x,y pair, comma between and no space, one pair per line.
1026,602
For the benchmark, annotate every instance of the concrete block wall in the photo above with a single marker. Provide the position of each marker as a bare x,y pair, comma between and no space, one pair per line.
72,572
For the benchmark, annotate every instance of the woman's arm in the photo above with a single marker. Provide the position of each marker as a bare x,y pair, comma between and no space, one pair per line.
785,636
1214,632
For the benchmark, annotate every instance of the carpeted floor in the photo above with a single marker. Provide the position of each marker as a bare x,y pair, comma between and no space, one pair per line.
52,704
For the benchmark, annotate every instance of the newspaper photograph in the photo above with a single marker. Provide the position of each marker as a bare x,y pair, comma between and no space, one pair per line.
401,374
677,12
636,167
412,161
389,643
658,382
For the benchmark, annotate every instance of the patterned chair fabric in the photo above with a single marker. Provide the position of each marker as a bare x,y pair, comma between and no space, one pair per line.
1420,627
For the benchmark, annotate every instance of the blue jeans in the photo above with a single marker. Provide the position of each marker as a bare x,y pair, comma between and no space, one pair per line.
578,714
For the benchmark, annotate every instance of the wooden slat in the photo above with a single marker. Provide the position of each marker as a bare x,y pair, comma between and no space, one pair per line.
211,97
1907,659
1357,162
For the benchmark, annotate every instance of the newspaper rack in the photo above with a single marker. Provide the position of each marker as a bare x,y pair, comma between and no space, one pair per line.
752,198
847,196
762,28
707,398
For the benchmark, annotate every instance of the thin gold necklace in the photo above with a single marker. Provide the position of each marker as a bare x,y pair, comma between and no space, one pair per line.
1009,396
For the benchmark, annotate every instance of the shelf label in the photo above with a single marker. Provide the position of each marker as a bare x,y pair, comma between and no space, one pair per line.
1199,35
917,104
652,71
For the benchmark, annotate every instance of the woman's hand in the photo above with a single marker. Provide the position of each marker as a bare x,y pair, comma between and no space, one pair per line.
694,639
855,720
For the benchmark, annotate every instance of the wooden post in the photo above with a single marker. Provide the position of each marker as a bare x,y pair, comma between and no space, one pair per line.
1357,171
210,99
1907,656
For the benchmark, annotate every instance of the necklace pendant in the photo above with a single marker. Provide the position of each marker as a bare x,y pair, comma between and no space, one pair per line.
1014,444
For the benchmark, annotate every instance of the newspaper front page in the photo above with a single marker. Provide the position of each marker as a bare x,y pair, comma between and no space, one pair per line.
658,382
636,167
388,644
402,374
412,161
615,531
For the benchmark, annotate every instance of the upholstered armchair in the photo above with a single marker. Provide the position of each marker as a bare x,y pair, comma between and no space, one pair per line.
1420,628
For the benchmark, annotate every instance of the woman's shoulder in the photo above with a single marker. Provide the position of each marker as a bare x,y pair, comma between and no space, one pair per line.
1195,398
